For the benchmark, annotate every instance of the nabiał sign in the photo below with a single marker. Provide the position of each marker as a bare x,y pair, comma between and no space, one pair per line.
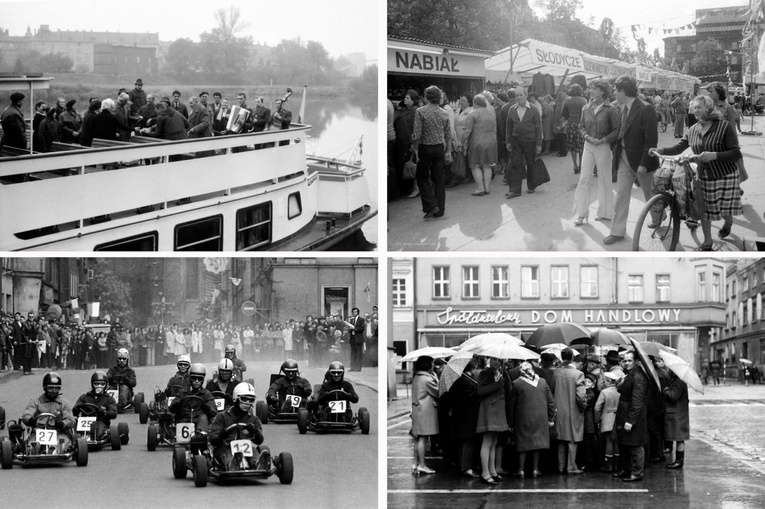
447,64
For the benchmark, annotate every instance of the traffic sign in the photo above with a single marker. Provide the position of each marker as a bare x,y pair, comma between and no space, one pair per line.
248,308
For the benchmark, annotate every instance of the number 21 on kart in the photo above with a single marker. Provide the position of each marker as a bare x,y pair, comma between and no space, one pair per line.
84,423
242,446
337,407
46,436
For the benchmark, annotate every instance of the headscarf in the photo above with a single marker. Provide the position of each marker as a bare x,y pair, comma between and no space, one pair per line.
528,375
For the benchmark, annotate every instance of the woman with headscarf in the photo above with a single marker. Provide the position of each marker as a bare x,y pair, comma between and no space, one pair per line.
479,143
676,418
88,123
465,402
403,125
714,142
572,114
491,417
531,414
424,411
107,124
47,132
70,123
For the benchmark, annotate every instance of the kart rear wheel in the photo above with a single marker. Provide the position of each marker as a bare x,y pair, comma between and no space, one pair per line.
124,432
179,462
302,420
2,418
200,471
152,438
114,437
6,454
143,413
364,420
138,400
285,470
261,410
81,452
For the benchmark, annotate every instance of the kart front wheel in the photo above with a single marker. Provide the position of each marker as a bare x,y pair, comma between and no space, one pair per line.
124,431
285,470
114,437
151,438
81,451
179,463
364,420
261,410
302,421
138,400
6,454
143,413
200,471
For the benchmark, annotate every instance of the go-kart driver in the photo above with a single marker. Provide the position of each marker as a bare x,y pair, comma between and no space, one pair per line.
291,378
122,377
107,406
220,437
199,414
239,366
335,381
49,402
224,382
180,380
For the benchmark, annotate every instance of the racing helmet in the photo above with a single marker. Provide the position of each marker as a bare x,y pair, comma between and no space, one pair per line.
98,376
244,389
122,354
51,385
184,363
336,370
225,366
197,374
230,349
290,368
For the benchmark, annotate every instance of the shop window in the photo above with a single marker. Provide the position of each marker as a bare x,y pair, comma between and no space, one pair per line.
559,282
441,282
588,282
470,282
662,288
635,288
399,293
500,282
529,282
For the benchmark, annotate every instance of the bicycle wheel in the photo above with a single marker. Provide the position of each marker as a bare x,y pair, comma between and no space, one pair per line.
662,236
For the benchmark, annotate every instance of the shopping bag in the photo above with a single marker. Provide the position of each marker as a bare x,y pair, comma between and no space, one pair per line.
540,174
459,165
696,203
410,169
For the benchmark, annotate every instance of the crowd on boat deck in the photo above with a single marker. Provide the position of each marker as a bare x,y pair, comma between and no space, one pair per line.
137,112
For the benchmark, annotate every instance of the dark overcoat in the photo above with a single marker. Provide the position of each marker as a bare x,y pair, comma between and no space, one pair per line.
491,411
531,409
676,420
632,409
465,402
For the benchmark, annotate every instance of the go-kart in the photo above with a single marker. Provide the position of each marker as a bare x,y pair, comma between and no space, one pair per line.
223,401
133,403
286,411
41,445
336,415
203,465
157,408
165,431
116,435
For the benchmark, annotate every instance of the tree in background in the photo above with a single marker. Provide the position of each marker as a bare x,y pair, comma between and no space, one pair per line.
224,52
113,292
34,61
182,57
709,59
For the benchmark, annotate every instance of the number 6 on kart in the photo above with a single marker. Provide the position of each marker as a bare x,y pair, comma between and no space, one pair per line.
46,436
84,423
184,431
242,446
337,407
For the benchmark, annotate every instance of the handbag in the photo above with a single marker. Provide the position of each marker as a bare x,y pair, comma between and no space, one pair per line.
695,202
553,433
410,169
539,173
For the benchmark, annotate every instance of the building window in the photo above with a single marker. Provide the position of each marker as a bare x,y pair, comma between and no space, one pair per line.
716,297
745,286
662,288
500,282
701,287
470,282
733,321
754,279
529,282
441,282
559,282
399,293
635,288
733,289
192,278
588,282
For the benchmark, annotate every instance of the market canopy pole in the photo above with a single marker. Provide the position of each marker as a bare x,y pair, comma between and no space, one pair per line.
752,37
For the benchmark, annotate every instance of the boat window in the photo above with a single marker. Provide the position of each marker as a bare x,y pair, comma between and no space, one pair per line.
142,242
294,206
253,226
201,235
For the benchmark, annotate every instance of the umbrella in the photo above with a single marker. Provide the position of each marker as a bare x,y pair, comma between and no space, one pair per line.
432,351
555,349
453,370
505,350
604,336
565,332
745,361
488,337
653,348
683,371
648,367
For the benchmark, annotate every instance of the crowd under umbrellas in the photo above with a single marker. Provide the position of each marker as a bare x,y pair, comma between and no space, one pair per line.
569,399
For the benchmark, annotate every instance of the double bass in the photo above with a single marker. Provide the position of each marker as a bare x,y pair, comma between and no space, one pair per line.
285,123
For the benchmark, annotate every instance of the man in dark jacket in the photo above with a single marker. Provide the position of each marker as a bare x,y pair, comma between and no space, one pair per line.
523,140
631,420
122,377
291,384
47,132
12,122
249,428
198,412
106,124
357,340
335,381
137,96
262,115
106,405
171,125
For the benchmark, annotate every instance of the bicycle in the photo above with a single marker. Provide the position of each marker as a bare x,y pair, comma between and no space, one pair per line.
662,234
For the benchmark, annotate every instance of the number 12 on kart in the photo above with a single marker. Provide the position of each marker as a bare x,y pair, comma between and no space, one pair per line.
84,423
242,446
337,407
293,400
46,436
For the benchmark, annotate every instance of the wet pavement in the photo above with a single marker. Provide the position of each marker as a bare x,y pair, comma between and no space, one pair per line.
724,466
543,221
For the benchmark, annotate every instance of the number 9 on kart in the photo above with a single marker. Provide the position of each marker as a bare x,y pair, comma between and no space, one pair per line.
293,400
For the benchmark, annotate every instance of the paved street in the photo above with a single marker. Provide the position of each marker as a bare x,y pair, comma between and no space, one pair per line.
544,221
135,477
724,467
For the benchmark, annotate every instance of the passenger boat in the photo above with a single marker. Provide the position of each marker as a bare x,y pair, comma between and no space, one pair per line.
253,191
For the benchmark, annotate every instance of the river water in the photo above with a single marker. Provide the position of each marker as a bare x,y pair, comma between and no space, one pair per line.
336,126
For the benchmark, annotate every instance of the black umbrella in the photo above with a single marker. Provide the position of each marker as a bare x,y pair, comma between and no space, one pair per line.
604,336
565,332
646,363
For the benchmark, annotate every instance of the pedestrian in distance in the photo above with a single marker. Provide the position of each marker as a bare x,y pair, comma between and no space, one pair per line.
479,144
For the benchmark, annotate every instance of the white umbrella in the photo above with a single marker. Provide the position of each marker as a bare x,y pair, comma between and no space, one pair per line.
488,338
436,352
453,370
683,370
745,361
505,350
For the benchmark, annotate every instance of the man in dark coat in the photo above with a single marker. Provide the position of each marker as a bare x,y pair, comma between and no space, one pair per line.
631,421
106,124
262,115
40,109
465,402
637,133
570,401
137,96
357,340
523,139
171,125
12,122
70,123
178,106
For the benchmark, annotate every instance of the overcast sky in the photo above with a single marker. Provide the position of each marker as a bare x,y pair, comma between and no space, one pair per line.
342,26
